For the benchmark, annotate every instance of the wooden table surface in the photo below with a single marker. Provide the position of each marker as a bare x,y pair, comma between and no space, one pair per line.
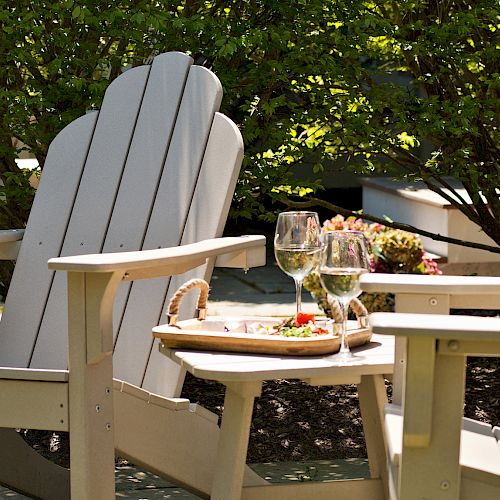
376,357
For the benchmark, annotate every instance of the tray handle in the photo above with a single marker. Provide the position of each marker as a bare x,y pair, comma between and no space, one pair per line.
357,307
173,307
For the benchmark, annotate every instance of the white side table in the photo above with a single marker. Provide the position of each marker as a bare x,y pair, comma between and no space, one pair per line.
243,374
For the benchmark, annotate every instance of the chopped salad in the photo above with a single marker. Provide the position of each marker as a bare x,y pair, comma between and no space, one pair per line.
301,325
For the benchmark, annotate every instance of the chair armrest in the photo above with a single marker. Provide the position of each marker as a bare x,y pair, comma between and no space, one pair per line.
434,379
423,283
439,326
462,292
93,281
10,242
244,251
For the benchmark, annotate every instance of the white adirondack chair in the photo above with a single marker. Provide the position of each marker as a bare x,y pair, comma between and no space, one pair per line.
155,168
432,451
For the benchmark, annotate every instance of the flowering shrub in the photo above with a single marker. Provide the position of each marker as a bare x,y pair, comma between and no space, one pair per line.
391,251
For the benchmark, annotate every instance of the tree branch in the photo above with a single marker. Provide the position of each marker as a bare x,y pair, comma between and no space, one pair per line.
396,225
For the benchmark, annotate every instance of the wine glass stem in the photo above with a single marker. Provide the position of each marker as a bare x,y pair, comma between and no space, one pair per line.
344,346
298,294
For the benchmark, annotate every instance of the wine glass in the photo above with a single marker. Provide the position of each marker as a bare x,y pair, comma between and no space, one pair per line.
344,258
297,246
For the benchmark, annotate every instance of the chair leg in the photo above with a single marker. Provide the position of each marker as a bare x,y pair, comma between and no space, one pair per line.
24,470
233,441
372,399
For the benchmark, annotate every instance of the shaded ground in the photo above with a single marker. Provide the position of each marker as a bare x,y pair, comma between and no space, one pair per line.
295,422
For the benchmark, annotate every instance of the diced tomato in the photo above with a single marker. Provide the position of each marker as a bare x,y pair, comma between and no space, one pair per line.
303,318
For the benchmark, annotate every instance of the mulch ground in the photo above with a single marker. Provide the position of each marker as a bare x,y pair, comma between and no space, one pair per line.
295,422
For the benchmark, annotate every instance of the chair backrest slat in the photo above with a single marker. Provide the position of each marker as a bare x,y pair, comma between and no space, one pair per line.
205,220
43,239
145,302
155,169
94,203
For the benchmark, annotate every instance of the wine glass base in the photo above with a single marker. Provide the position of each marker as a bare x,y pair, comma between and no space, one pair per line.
346,357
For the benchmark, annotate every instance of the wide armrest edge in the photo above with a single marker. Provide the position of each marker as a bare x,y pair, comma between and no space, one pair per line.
10,235
10,243
172,260
439,326
435,284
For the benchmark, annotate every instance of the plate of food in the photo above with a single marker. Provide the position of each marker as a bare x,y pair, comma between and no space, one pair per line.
301,335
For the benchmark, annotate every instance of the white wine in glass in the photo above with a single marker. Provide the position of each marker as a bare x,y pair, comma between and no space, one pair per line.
344,259
297,246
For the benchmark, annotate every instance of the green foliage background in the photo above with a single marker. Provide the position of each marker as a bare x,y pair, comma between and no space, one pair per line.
307,81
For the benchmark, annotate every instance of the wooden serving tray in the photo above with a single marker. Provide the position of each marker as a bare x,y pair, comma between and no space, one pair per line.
209,335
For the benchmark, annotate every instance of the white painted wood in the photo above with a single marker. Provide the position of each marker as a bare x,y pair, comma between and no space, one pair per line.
218,175
42,240
90,387
431,294
161,446
145,165
43,405
428,284
156,263
459,335
478,450
226,367
233,443
203,412
420,373
451,458
420,303
334,379
10,243
148,397
438,463
93,204
436,326
33,374
39,478
463,292
225,147
372,399
496,433
173,403
150,170
328,490
200,100
186,451
243,374
145,159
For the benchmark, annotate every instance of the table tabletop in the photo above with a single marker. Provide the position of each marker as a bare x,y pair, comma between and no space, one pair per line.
375,357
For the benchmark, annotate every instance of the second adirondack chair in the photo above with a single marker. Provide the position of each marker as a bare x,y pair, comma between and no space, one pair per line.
143,185
432,451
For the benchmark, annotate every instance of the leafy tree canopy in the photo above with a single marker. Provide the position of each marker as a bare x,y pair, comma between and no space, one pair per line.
307,81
